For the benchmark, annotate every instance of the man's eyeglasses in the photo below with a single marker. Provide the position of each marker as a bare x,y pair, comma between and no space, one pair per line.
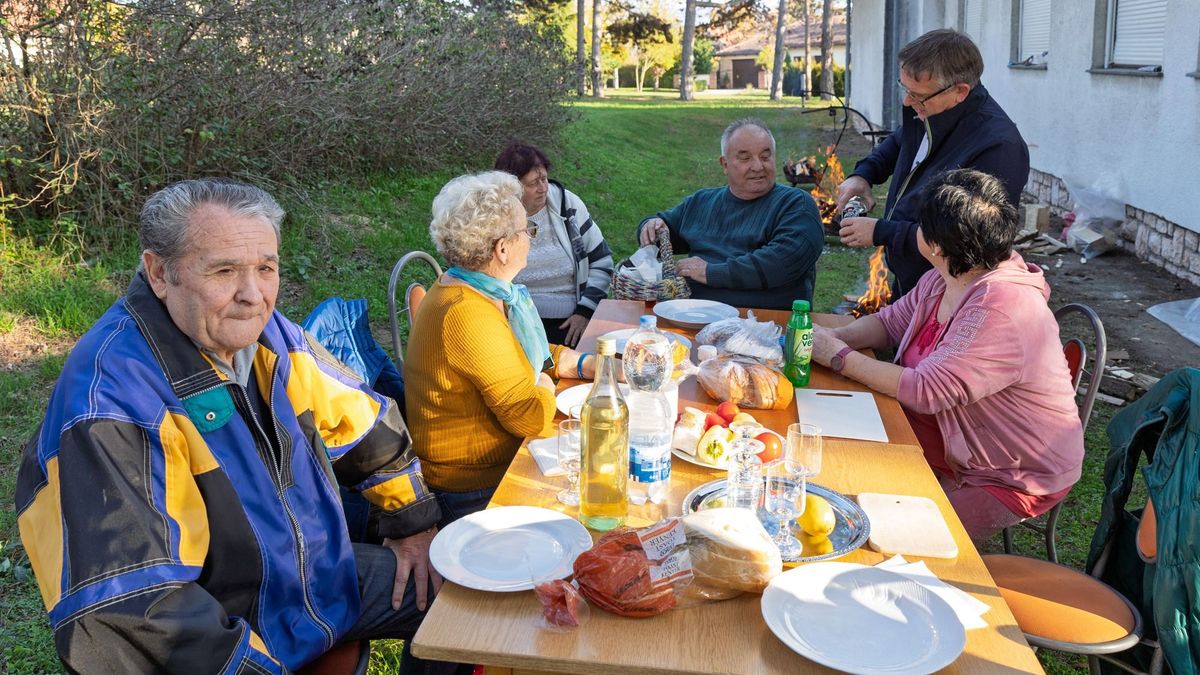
921,101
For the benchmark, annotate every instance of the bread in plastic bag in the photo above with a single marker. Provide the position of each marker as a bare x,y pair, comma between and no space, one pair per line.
746,382
730,550
711,555
746,337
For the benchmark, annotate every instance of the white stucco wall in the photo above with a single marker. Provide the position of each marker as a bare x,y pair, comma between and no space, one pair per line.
1140,136
866,64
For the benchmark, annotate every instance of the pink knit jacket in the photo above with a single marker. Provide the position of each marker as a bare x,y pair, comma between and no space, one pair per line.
997,381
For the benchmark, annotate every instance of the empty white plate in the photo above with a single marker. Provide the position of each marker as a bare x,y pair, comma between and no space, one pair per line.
622,336
572,396
862,619
508,548
694,314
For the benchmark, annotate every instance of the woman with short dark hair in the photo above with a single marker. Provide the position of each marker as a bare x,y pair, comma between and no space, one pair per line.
979,368
570,265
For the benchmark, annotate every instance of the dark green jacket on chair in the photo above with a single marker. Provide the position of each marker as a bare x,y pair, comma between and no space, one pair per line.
1163,425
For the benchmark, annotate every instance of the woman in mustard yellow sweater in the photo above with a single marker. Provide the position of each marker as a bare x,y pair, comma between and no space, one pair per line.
476,372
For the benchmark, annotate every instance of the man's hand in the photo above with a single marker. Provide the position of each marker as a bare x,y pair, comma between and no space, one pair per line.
650,231
852,187
693,268
858,232
826,344
412,558
574,326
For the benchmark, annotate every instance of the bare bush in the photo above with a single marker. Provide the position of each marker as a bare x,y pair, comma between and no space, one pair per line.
104,102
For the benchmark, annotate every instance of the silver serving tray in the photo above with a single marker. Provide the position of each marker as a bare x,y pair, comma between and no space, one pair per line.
850,532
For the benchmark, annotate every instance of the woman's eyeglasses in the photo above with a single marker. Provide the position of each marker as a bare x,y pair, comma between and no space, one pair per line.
531,228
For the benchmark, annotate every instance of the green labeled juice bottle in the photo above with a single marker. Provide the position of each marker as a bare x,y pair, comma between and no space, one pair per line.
604,446
798,345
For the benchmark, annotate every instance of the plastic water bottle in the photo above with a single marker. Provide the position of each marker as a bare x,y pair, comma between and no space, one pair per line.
647,356
650,429
798,345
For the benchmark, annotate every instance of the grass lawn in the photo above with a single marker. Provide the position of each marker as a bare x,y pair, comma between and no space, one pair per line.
627,156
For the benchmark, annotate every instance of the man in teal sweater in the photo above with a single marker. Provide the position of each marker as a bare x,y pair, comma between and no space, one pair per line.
753,243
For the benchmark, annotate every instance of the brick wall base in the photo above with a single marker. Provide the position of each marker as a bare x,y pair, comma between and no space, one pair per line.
1150,236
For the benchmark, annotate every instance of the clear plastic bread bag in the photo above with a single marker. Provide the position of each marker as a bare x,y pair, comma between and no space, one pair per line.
706,556
750,337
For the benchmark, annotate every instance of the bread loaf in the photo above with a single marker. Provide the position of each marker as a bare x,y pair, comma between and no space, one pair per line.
731,550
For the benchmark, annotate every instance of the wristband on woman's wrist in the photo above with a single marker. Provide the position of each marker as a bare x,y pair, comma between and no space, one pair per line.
579,365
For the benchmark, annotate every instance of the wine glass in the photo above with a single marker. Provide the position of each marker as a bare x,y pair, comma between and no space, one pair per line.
785,488
804,448
569,459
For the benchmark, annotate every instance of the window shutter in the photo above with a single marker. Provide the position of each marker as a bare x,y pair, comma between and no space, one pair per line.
1141,26
1035,29
973,20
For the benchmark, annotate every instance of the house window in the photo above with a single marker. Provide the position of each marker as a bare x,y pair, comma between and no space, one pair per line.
972,24
1033,32
1136,31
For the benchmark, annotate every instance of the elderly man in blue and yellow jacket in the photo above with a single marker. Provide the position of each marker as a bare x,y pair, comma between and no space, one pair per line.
179,502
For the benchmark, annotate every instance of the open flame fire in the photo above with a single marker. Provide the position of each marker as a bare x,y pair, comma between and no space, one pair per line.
878,291
823,192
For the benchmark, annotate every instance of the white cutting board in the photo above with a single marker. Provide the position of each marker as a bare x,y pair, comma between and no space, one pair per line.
843,414
907,525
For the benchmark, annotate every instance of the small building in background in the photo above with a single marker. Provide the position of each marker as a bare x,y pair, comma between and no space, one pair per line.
737,64
1105,92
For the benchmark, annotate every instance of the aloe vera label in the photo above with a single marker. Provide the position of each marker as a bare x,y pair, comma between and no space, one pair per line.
802,346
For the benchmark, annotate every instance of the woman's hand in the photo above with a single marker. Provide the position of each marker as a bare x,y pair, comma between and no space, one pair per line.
826,344
574,325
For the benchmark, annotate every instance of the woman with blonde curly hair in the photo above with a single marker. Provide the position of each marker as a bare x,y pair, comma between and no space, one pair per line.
478,365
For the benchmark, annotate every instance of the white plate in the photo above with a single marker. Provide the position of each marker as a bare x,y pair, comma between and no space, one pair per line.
622,336
508,547
573,396
694,313
862,619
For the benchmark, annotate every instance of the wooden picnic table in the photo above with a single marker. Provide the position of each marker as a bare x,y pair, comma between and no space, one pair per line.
500,630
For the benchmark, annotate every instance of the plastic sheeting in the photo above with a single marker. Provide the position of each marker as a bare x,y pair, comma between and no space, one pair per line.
1182,315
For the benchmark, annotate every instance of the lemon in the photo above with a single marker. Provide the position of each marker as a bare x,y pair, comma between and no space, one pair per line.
816,544
818,516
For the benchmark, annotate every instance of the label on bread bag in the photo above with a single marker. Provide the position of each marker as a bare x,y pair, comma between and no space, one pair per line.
666,549
662,538
676,567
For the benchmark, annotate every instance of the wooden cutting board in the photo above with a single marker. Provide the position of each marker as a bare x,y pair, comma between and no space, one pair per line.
907,525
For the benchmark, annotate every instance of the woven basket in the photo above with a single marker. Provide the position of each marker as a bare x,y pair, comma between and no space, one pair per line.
672,286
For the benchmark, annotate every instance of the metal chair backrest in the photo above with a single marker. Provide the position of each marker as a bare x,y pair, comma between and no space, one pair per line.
410,298
1076,353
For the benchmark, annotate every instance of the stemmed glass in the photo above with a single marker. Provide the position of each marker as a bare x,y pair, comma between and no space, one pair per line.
804,448
569,459
785,500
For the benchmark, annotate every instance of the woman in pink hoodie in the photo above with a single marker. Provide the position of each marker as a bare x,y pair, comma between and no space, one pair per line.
979,368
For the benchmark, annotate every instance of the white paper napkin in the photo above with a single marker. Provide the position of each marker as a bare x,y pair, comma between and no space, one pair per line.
545,453
969,610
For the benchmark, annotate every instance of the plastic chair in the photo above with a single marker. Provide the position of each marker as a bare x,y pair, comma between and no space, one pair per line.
412,297
346,658
1076,353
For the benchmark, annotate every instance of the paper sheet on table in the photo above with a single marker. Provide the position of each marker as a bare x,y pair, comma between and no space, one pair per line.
969,610
545,453
841,414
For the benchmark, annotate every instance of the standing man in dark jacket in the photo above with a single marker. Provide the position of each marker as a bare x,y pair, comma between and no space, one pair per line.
950,122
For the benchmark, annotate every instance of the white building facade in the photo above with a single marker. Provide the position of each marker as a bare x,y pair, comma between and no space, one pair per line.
1105,92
